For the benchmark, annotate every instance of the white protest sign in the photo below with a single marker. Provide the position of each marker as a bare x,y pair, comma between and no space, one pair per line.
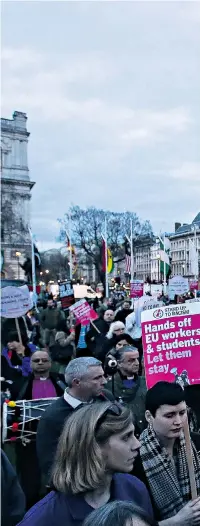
178,285
193,300
15,301
145,303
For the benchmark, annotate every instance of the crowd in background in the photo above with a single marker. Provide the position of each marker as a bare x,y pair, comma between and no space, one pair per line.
105,443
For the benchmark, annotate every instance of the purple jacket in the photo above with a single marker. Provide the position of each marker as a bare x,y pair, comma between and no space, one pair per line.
25,363
71,510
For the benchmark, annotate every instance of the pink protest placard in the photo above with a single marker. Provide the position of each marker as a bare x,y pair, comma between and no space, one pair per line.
194,285
83,312
136,288
171,344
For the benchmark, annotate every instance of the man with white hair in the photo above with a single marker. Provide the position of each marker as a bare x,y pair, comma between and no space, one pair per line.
85,384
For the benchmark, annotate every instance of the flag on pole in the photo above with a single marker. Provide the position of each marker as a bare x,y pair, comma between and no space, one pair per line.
37,258
110,263
164,252
193,258
74,259
127,257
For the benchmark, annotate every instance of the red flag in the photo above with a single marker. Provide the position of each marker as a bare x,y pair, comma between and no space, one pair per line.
103,256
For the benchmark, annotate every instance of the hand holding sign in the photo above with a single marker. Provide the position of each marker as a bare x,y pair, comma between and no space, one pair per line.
83,312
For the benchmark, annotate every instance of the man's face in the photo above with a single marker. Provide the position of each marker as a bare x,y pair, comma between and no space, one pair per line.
50,304
92,383
169,420
109,316
129,364
40,363
126,305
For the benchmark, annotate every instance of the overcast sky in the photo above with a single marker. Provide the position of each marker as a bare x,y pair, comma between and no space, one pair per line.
112,95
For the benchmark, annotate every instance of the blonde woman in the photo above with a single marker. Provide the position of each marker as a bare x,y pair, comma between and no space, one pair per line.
95,455
116,328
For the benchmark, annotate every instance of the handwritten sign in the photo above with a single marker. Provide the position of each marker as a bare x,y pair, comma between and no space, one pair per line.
178,286
145,303
83,312
15,301
171,344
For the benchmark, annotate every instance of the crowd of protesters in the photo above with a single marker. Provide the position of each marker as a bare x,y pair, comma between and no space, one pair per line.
106,450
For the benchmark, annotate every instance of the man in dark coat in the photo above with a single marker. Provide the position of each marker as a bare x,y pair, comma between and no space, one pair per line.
127,386
85,380
98,330
124,312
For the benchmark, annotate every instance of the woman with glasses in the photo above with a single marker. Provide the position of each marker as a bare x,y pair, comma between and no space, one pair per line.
95,456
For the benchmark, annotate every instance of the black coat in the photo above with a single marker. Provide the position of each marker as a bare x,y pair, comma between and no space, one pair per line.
25,392
94,338
12,496
50,428
122,315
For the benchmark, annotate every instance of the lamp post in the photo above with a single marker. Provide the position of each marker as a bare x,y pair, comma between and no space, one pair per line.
18,254
183,267
158,259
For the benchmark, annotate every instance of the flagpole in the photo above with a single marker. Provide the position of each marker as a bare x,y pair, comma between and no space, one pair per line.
131,243
106,261
165,277
33,268
70,252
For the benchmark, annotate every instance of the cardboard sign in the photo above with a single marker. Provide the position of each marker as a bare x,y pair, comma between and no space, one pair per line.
66,292
15,301
136,288
83,312
171,344
178,285
145,303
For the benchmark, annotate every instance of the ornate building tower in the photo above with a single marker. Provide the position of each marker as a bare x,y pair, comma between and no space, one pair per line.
15,195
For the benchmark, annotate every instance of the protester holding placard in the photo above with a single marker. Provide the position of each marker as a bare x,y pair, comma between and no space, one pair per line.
17,355
162,463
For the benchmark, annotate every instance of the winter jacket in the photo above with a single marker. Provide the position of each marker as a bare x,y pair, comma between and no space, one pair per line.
133,397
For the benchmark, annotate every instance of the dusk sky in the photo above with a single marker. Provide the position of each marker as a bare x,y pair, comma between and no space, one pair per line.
112,95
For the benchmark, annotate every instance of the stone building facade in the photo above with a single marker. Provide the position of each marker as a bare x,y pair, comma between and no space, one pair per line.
15,195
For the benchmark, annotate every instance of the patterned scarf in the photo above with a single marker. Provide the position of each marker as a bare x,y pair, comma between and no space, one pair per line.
168,478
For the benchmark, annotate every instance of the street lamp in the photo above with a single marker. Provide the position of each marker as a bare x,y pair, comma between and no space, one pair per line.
18,254
47,271
183,267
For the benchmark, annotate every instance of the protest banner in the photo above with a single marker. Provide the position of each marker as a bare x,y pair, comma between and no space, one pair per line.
136,288
194,285
15,301
171,344
66,292
83,312
178,286
193,300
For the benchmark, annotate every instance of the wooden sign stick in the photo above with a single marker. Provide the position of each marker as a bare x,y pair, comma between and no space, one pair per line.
190,461
93,325
18,330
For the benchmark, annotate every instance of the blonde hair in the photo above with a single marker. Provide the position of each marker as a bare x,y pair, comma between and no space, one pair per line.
79,463
113,327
